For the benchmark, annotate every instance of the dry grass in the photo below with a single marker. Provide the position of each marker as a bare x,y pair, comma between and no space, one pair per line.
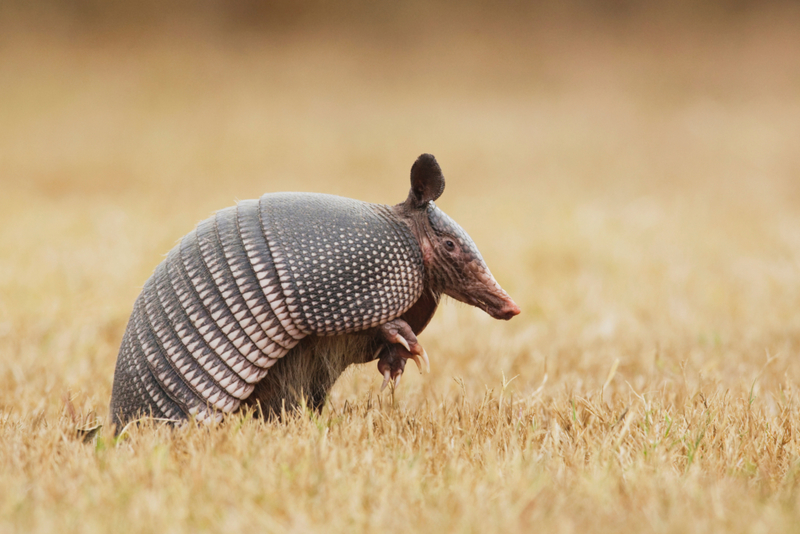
636,190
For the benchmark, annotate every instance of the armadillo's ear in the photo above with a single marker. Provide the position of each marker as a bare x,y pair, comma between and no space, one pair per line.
427,181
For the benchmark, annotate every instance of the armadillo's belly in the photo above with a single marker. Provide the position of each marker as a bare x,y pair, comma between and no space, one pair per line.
245,286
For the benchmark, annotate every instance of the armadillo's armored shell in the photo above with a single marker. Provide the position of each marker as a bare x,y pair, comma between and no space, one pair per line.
344,265
246,285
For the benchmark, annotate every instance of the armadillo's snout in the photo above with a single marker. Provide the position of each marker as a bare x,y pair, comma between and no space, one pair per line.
496,302
482,291
507,311
499,305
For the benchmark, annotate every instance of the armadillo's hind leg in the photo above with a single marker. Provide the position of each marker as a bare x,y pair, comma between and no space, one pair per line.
402,345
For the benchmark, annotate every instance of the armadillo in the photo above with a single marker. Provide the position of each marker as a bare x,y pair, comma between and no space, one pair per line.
266,303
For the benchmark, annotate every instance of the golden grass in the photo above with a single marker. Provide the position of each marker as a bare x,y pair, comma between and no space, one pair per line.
635,189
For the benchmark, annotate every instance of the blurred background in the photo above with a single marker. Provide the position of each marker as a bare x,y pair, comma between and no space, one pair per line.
630,170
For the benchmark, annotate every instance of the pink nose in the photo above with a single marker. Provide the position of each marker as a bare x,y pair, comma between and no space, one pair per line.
509,310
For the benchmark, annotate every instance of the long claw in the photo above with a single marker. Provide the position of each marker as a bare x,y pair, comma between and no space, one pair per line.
397,380
416,360
426,360
386,377
400,339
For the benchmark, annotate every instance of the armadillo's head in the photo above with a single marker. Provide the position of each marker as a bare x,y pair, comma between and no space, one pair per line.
453,265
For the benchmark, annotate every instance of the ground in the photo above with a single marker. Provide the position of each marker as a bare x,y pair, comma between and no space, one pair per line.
635,188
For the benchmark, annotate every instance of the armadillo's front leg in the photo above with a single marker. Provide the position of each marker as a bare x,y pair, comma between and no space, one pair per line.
403,345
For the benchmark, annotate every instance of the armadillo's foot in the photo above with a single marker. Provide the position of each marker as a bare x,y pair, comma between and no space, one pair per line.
399,332
402,345
392,363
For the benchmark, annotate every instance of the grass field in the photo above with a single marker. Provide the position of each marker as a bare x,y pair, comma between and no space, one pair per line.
635,186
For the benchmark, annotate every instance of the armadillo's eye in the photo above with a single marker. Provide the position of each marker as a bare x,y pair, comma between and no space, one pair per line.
450,245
